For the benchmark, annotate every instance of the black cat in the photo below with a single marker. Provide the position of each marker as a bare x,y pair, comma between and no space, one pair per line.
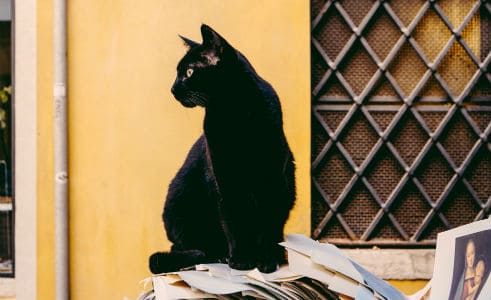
231,198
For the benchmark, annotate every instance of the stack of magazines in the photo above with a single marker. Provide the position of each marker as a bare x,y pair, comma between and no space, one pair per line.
322,271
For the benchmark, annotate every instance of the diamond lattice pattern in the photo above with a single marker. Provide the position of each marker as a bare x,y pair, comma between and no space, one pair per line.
401,119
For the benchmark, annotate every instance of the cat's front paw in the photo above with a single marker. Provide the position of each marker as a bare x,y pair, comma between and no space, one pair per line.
241,263
268,266
270,259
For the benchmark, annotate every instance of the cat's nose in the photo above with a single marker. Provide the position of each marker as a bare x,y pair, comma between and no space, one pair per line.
174,88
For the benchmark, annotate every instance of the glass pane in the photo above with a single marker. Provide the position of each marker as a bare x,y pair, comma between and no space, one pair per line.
6,201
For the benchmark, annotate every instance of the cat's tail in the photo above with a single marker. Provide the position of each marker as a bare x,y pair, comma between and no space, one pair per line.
163,262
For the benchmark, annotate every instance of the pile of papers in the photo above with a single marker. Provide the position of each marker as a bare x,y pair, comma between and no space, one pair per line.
218,281
322,271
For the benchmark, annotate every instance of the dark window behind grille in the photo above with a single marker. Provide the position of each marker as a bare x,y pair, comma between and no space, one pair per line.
401,101
6,202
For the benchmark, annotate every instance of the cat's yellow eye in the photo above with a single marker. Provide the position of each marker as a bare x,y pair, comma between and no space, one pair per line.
189,72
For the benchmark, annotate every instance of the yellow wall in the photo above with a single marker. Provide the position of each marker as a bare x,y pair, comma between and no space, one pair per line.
127,136
409,287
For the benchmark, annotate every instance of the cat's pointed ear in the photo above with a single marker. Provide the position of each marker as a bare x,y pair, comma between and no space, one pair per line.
216,47
211,37
188,42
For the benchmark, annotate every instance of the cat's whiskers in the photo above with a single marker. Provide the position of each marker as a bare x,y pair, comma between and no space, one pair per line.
198,98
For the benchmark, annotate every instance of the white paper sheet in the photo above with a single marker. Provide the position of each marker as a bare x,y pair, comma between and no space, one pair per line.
303,265
172,288
210,284
365,294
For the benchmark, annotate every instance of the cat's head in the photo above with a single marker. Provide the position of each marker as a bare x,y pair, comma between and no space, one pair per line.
202,72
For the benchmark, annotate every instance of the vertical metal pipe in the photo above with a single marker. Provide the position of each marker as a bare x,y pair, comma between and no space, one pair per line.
60,150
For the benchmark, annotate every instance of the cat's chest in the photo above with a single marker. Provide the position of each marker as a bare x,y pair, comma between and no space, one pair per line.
234,125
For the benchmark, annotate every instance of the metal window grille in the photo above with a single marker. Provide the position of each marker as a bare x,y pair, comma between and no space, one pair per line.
401,104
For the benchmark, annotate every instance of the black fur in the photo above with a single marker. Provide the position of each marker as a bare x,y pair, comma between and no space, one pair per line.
231,198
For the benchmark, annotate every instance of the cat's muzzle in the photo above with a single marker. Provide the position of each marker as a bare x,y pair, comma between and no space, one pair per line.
191,99
182,97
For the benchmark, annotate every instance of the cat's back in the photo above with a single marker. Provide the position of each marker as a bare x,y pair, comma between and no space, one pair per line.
265,95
